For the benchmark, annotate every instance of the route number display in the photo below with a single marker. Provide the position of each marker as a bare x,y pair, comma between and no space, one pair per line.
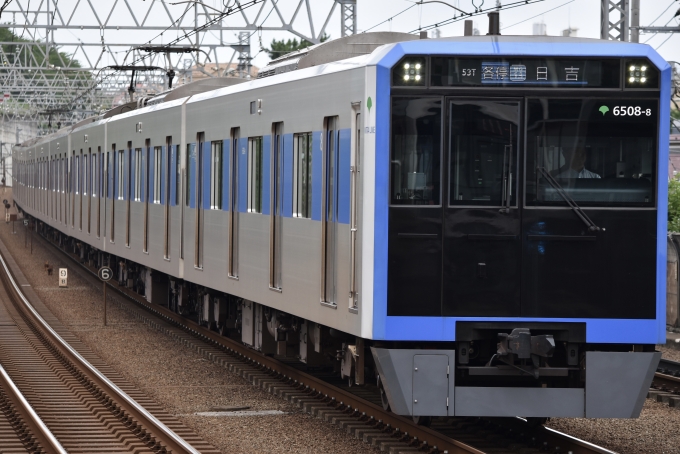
105,273
63,277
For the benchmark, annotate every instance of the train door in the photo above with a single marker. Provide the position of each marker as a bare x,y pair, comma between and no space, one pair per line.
329,211
167,167
89,188
148,187
202,158
481,223
276,201
232,271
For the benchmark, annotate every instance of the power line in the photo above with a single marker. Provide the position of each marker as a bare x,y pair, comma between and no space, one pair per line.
476,13
390,18
228,12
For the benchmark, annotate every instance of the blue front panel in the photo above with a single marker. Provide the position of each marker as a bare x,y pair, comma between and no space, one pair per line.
207,162
266,173
242,158
344,175
317,174
287,175
192,176
443,328
173,175
225,174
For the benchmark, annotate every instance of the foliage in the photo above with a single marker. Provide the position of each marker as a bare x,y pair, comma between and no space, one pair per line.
282,47
674,206
55,58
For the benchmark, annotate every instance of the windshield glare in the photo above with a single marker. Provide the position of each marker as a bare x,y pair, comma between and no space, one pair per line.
600,151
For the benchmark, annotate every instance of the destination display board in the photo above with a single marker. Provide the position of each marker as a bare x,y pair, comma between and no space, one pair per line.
520,71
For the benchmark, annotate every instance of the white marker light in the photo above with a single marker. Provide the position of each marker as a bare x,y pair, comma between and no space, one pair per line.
632,79
406,77
632,68
643,79
417,65
644,68
406,66
417,76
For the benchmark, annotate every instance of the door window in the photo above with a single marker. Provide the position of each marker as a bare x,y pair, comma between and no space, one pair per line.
483,160
416,151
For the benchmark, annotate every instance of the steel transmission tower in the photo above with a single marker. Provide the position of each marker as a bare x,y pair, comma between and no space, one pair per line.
56,69
348,17
614,20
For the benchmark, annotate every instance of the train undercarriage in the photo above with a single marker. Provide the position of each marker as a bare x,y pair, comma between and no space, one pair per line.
503,369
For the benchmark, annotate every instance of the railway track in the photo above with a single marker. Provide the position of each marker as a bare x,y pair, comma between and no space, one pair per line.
355,409
83,409
20,427
666,383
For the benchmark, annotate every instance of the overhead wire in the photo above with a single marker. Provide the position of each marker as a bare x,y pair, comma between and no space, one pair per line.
478,12
228,12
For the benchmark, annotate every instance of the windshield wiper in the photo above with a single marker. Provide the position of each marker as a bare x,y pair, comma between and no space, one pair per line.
572,204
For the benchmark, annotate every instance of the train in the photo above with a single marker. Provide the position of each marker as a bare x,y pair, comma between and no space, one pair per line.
472,226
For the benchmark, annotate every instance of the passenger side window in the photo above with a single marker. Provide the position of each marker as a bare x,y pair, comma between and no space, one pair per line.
216,175
255,179
302,176
121,171
157,174
86,173
138,174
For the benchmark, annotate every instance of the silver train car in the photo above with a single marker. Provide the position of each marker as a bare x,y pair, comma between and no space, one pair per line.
304,214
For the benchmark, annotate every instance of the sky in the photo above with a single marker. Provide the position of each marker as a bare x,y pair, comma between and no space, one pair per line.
558,15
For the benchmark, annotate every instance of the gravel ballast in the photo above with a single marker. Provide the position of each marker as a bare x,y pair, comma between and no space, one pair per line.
177,377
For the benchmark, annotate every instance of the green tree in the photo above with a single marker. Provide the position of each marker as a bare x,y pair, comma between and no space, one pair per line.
282,47
674,205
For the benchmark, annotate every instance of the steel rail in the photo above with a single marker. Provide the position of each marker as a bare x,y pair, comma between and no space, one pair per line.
36,425
156,428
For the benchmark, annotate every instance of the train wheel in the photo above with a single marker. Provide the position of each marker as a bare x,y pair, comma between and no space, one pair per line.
383,395
424,421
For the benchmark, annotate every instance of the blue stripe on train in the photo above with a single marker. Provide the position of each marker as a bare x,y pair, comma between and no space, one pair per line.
205,175
225,174
151,156
266,173
287,161
344,189
173,175
164,171
242,159
192,176
317,174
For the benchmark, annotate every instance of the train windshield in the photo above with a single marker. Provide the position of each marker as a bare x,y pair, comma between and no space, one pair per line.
598,152
416,151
